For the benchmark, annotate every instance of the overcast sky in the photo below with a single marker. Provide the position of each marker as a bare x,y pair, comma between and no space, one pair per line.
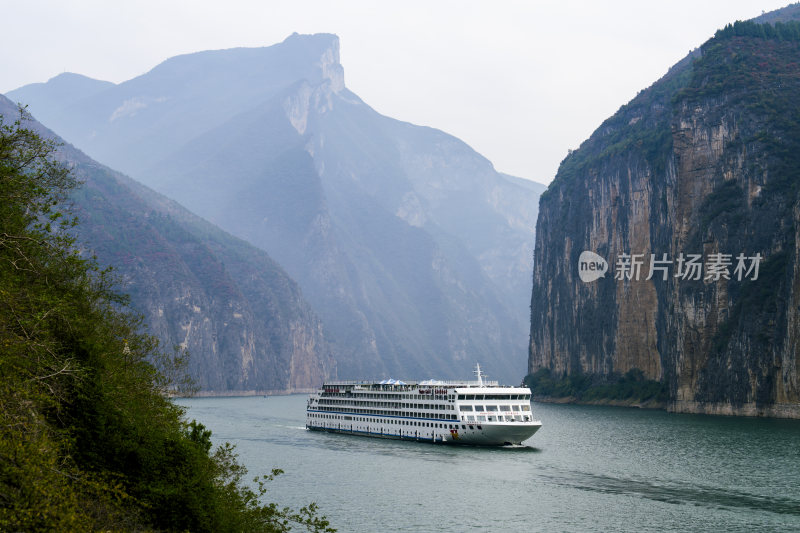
521,82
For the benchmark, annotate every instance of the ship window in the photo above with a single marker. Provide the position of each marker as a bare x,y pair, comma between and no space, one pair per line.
471,426
491,408
516,407
479,408
526,407
470,396
479,396
470,419
466,408
460,396
481,419
505,408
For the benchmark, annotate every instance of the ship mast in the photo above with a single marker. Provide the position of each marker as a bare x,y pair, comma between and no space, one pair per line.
478,373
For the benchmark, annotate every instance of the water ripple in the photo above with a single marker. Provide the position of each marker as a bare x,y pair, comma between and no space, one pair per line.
678,493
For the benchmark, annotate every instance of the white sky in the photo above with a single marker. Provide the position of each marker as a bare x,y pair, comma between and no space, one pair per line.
520,81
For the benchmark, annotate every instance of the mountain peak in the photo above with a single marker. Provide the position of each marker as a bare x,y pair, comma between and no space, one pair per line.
72,77
326,46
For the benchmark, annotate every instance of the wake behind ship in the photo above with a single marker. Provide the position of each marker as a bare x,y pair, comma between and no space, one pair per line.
458,412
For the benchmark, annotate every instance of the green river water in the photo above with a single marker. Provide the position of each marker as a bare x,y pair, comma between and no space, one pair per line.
588,469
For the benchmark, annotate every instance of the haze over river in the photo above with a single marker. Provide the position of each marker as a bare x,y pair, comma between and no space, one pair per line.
588,469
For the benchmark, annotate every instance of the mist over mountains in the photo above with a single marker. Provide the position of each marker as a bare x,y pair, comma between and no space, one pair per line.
413,251
244,322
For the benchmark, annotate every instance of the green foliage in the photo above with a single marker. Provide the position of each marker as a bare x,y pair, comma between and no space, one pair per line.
631,386
780,31
89,439
759,71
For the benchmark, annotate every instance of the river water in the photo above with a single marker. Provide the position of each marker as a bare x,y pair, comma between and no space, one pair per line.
588,469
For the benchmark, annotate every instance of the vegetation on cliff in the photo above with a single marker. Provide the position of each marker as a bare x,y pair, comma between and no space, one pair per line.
88,438
631,387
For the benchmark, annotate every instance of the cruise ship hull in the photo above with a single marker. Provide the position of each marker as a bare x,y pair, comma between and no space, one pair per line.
488,435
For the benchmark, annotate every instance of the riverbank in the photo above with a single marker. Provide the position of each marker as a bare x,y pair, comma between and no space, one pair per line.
612,402
243,393
750,410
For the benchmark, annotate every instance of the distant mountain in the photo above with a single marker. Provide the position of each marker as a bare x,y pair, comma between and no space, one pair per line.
701,167
243,320
415,252
64,90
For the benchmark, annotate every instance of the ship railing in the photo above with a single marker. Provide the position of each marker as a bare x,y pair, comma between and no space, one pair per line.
484,383
347,382
425,383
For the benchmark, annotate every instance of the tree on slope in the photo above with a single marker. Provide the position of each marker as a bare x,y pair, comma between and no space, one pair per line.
89,439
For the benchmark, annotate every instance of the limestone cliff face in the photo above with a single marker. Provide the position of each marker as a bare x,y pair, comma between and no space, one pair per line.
703,162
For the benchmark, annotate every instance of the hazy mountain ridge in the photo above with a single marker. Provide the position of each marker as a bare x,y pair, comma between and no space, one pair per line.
413,250
702,162
243,320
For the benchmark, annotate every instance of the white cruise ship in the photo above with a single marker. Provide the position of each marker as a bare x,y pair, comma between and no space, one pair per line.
459,412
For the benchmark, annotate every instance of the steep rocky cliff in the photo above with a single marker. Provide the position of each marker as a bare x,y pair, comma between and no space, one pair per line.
242,319
701,168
